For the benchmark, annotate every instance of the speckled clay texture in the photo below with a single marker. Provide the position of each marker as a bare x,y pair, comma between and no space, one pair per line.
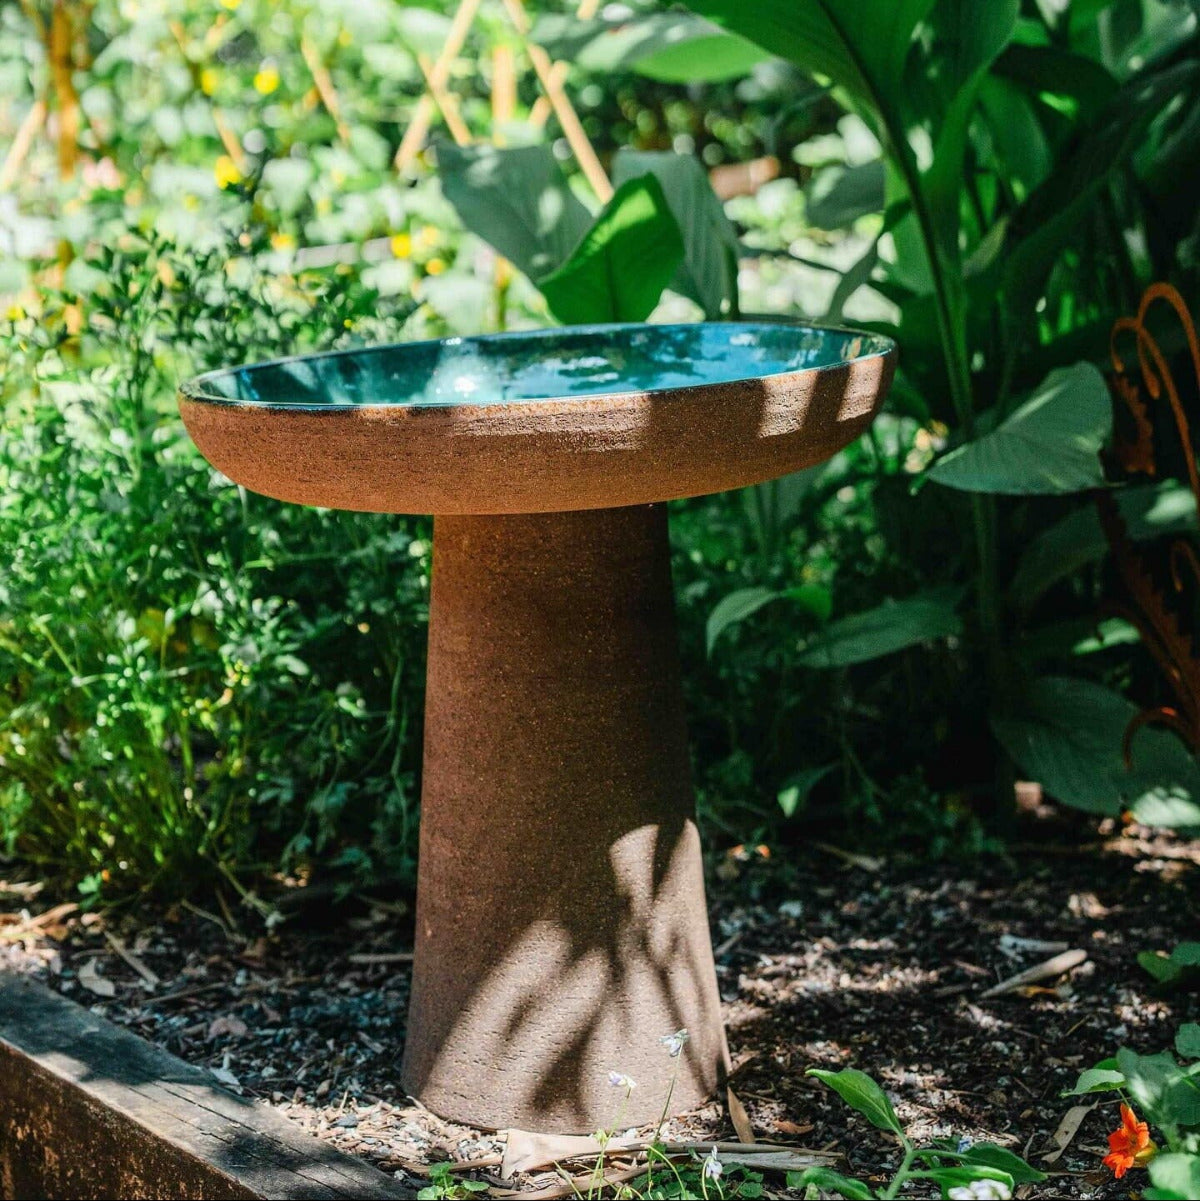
545,455
561,919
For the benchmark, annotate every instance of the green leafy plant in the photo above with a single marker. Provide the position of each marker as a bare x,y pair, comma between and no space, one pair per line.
1165,1088
444,1186
952,1168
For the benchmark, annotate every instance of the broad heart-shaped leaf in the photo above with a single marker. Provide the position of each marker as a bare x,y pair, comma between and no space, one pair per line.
888,628
1187,1040
860,1092
1050,445
859,44
516,199
1161,1089
671,47
1068,736
619,270
708,273
735,607
1177,1173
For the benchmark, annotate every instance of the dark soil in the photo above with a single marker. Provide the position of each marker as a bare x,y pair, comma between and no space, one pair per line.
826,960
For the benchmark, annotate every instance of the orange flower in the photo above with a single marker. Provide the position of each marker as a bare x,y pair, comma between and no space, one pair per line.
1129,1145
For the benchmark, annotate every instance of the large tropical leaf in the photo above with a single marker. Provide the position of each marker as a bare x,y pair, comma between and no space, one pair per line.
708,273
1069,737
888,628
620,268
1051,444
860,44
670,47
517,199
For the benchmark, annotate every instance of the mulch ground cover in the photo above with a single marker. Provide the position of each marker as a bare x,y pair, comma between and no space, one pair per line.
826,958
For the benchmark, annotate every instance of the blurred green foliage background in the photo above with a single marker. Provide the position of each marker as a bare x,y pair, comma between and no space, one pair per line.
199,683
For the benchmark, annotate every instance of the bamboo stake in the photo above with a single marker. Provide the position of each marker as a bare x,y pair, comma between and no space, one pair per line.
540,112
418,129
60,52
324,85
572,128
446,102
34,120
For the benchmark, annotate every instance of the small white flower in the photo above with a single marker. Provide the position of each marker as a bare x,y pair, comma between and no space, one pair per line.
620,1080
712,1165
981,1190
674,1043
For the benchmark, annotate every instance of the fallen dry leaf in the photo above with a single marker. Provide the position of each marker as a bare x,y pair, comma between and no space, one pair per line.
739,1117
1068,1128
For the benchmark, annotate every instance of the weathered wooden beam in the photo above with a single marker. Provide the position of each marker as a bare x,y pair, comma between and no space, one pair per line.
89,1110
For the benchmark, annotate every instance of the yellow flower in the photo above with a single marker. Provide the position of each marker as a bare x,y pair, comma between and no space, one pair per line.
435,267
15,312
344,37
401,246
324,206
230,4
226,172
266,81
208,81
429,235
282,241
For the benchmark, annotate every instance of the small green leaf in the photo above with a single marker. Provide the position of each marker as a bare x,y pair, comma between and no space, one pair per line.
734,608
1187,1040
838,196
829,1181
1103,1078
861,1093
890,627
620,268
1050,445
794,794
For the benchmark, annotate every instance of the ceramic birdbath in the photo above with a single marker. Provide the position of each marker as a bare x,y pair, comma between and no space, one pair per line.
561,927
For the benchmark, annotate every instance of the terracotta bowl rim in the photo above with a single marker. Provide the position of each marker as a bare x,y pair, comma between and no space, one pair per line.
194,390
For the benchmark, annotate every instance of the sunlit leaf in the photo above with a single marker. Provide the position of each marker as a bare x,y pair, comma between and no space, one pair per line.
619,270
1051,444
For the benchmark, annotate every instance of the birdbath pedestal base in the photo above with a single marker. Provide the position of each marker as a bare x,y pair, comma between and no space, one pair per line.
561,919
561,924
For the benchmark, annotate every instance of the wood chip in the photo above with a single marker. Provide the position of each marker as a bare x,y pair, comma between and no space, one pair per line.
130,958
1055,966
90,978
369,958
866,863
1068,1128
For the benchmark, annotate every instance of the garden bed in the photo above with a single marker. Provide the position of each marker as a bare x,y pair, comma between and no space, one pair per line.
829,960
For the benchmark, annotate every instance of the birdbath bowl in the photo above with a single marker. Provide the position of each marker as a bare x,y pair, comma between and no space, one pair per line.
561,928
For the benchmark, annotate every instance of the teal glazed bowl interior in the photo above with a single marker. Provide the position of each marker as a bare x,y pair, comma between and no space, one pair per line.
576,417
548,364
